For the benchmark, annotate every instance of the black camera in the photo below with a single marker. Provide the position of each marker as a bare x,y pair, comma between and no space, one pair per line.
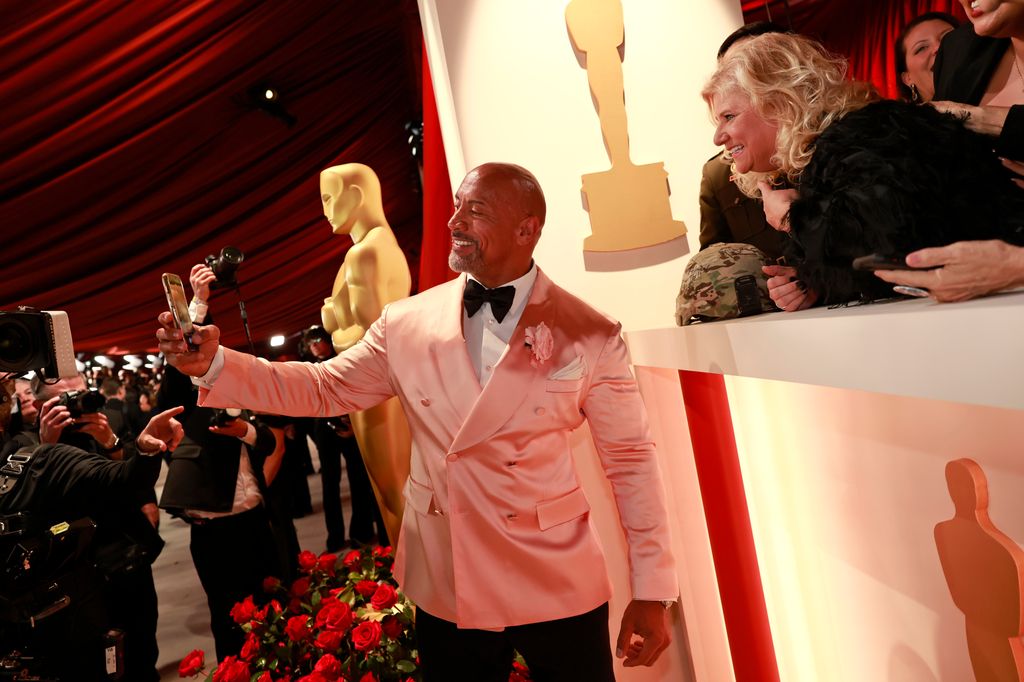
82,402
225,266
37,340
223,417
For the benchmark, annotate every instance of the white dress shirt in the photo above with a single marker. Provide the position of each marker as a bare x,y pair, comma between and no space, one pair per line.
486,338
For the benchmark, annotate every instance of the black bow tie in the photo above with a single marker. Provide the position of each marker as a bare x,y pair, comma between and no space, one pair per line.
476,294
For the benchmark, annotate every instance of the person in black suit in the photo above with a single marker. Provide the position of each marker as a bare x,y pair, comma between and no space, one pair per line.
216,484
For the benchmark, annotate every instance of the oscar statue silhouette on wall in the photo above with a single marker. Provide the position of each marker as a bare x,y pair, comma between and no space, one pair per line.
628,205
984,569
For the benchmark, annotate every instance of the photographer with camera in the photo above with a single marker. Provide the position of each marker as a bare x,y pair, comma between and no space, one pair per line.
54,601
127,542
216,484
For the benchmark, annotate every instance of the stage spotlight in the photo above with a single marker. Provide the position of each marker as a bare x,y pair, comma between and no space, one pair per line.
276,340
269,99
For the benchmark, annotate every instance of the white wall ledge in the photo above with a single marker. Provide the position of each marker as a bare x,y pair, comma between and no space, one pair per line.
971,352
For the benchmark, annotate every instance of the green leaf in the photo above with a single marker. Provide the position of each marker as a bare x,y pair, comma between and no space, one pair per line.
405,666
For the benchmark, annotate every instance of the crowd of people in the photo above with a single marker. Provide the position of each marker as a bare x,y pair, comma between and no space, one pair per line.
931,184
237,478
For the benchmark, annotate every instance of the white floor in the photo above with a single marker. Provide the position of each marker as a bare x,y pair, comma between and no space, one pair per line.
184,617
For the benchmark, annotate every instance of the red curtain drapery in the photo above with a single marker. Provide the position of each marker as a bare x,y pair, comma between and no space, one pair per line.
130,145
437,193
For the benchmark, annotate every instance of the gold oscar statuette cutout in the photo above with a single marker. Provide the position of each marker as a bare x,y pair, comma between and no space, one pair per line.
628,205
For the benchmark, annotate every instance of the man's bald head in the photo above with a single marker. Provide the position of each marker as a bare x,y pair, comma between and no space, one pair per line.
525,184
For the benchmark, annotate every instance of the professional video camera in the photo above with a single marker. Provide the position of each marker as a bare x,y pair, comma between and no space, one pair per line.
49,606
225,266
37,340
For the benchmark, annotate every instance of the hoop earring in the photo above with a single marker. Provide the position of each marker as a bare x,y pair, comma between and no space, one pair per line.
915,96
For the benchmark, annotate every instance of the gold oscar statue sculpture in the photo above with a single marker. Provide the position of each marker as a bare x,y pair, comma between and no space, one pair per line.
373,274
628,205
984,569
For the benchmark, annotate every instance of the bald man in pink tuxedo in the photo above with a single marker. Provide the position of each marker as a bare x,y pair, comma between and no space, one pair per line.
494,370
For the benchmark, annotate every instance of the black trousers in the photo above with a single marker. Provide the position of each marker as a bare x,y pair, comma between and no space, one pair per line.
571,649
232,555
365,514
132,605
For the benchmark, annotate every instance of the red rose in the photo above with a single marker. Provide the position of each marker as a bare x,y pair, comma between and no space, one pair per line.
307,560
270,584
336,616
328,666
300,587
366,587
326,563
265,677
329,640
243,611
382,551
250,648
296,628
384,597
231,670
312,677
368,677
295,606
366,635
392,627
352,558
192,664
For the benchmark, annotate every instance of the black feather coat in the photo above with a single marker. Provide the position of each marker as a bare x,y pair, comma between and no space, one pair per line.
892,178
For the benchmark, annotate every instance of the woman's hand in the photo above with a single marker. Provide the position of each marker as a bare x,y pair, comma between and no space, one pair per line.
963,270
776,205
788,293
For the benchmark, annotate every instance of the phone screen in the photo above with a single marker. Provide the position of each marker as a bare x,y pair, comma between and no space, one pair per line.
178,305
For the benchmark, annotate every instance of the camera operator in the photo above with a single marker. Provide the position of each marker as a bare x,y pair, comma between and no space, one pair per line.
127,543
62,483
216,484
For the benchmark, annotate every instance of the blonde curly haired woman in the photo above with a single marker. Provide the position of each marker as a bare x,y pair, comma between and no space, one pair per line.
848,174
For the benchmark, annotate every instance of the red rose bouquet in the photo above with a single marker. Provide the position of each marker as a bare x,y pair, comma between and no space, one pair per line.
342,620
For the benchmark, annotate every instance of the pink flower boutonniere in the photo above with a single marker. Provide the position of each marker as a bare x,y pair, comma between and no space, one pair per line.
540,343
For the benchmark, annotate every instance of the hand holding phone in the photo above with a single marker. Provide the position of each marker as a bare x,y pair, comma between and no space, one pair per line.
178,305
876,261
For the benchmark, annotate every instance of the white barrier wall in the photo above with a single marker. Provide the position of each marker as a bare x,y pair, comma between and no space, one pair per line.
509,88
844,489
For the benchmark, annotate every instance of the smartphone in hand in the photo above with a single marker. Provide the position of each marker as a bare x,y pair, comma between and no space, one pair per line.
178,305
875,261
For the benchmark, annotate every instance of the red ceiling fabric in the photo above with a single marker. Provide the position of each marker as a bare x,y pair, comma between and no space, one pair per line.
130,146
864,31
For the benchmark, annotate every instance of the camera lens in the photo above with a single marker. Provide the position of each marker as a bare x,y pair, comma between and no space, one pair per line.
225,265
15,343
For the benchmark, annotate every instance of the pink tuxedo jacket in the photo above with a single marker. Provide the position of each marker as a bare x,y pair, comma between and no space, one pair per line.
496,529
